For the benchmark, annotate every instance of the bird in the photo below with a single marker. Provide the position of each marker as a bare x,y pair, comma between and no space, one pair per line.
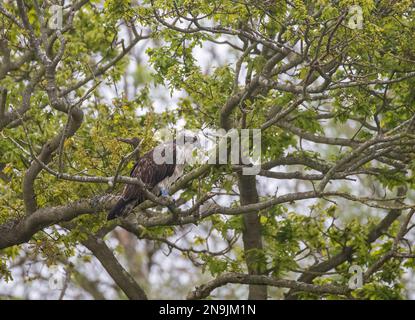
155,174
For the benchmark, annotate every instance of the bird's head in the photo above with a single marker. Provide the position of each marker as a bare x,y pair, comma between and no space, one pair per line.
188,139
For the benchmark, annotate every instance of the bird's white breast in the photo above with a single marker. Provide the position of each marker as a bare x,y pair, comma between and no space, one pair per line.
182,153
178,172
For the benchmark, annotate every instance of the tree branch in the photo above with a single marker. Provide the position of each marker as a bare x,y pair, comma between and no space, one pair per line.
121,277
205,290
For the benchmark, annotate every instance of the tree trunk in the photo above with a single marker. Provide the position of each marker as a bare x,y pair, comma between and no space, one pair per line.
251,236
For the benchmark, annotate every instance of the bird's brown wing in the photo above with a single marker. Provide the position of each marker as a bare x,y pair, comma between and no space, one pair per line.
150,173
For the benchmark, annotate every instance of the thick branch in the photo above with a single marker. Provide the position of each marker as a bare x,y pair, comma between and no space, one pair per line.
121,277
205,290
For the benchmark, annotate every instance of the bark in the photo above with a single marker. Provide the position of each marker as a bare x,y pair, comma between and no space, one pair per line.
204,290
252,238
120,276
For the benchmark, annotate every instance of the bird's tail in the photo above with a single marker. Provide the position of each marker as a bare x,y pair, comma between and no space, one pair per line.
118,210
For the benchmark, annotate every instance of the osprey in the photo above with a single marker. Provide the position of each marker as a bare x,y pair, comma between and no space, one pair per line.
157,169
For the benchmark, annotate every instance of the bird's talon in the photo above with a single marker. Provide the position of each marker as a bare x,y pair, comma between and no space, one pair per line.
164,193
